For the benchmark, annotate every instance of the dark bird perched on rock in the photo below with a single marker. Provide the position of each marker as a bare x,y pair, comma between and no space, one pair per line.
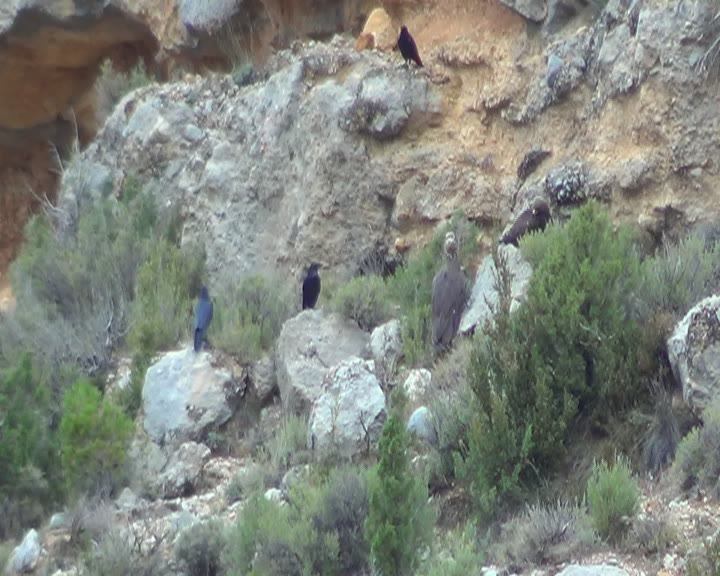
408,48
311,287
531,219
449,296
203,317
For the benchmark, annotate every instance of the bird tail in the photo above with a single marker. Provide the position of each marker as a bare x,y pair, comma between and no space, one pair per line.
197,344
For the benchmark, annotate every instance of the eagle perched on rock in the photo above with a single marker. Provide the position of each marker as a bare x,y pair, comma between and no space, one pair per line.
449,296
531,219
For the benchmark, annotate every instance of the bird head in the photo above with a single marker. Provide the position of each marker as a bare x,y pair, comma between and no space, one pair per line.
403,29
540,208
314,267
450,245
204,294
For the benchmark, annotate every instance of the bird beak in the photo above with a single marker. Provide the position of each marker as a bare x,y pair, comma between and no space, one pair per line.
534,212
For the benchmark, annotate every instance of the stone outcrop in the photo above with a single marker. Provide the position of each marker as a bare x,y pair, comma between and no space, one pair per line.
309,345
694,352
485,297
348,417
184,396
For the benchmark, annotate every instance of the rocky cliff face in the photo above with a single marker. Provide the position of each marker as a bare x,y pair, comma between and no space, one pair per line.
337,152
50,56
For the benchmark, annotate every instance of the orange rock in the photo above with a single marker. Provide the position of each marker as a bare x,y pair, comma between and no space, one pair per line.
366,41
380,25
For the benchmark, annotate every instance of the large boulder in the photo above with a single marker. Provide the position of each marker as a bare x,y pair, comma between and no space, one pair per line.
349,415
182,472
26,556
485,298
694,351
184,396
310,344
386,347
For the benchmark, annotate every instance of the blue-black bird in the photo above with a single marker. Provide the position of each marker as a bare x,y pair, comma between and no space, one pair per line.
203,317
408,48
311,287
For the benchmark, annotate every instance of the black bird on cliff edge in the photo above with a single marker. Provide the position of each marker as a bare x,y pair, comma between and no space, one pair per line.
408,48
311,287
203,317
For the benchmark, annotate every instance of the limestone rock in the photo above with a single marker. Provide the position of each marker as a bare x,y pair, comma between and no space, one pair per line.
694,352
417,384
485,298
263,377
386,346
422,425
350,413
182,472
598,570
533,10
310,344
184,396
26,556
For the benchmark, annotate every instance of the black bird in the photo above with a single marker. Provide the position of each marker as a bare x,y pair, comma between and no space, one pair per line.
311,287
203,317
449,297
531,219
408,48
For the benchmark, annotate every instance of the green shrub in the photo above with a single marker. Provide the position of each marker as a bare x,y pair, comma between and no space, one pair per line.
94,438
199,548
612,495
400,521
320,531
457,557
453,408
29,480
287,447
679,276
74,280
248,317
340,514
166,285
363,299
569,355
245,483
411,287
651,535
709,563
545,533
271,540
697,461
117,555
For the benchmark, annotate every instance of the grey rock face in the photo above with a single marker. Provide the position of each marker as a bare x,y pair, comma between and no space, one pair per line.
386,347
417,384
263,377
182,472
533,10
422,425
599,570
694,351
350,413
310,344
274,174
485,298
26,556
184,396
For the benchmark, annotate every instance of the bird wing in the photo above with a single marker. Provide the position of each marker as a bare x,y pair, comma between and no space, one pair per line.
203,314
